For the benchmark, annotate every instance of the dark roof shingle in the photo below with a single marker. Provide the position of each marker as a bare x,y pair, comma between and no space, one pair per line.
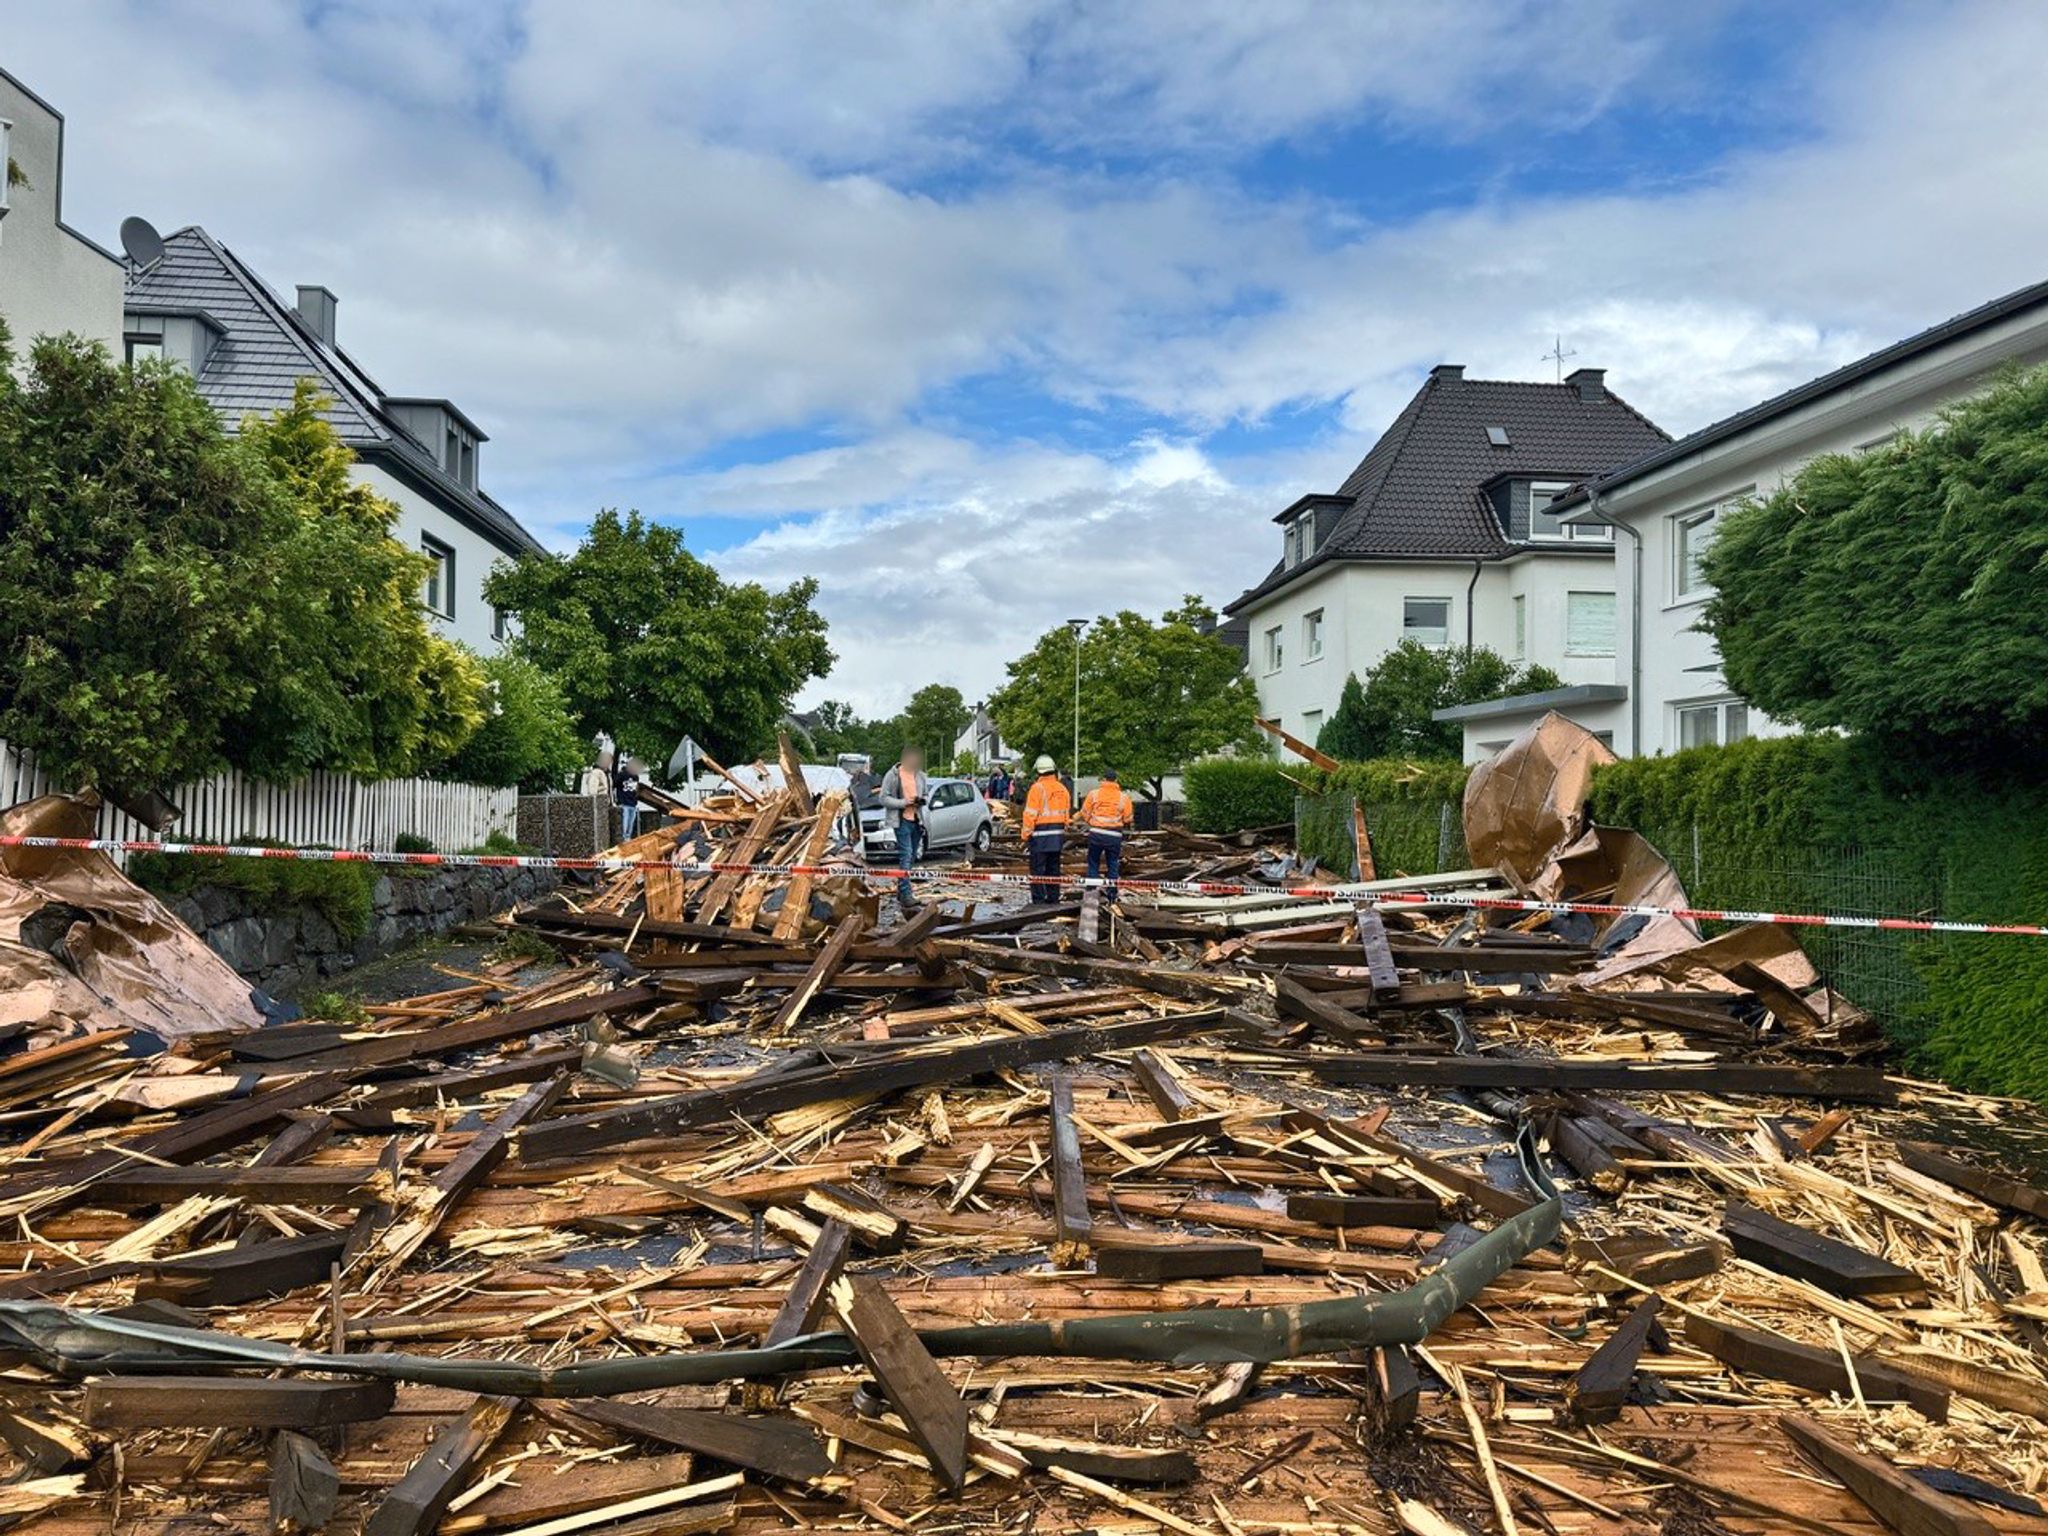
1419,491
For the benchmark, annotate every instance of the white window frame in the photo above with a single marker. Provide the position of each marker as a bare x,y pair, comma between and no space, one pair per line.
1684,525
501,623
1728,715
6,188
1312,636
1569,648
1409,627
440,580
1276,648
1556,488
1312,721
1520,607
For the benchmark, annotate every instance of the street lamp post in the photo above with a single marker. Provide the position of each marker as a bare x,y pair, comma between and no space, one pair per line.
1077,625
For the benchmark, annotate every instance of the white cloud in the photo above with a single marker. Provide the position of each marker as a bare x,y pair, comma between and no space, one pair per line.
624,235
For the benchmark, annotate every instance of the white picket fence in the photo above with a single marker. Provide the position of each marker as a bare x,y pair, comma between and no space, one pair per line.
326,809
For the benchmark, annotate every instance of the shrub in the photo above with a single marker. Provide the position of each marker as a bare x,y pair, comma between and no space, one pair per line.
342,893
1228,794
412,842
527,740
1404,801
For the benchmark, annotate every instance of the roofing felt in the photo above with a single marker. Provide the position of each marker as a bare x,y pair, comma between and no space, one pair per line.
264,351
1418,492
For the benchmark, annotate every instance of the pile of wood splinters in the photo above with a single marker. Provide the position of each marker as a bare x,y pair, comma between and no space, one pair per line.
1245,1214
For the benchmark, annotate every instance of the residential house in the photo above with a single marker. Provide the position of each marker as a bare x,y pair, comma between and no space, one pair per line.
1666,691
203,307
981,738
52,279
1443,534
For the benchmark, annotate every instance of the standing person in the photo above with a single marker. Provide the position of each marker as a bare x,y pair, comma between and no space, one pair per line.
629,801
999,783
902,797
1108,813
1047,806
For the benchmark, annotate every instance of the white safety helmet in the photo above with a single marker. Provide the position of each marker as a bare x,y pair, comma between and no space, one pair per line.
1044,764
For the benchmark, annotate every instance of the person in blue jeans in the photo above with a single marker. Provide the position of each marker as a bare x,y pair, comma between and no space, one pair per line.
629,803
903,797
1107,812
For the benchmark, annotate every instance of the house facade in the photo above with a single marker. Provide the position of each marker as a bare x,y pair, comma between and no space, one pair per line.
982,739
1665,691
53,280
247,347
1445,534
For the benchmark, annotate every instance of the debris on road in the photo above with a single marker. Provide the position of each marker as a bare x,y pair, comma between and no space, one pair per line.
1215,1214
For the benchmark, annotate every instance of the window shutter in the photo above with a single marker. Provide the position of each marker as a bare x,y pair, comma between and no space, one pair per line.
1589,624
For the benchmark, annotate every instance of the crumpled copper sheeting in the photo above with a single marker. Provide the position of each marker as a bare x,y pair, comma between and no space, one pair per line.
1529,800
131,961
1605,858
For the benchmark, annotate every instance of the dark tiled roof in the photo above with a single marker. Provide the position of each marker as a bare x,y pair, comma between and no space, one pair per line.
1419,492
2018,302
264,351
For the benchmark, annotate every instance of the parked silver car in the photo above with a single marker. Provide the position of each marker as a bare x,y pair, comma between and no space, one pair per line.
955,816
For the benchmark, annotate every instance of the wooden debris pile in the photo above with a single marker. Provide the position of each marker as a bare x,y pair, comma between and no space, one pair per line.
761,1214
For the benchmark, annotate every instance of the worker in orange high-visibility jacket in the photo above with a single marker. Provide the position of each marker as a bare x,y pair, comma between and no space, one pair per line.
1107,813
1048,805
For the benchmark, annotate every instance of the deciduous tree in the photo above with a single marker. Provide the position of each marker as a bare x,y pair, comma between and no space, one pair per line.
1391,714
1154,696
651,644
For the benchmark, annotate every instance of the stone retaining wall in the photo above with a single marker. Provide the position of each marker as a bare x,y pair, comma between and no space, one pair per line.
289,950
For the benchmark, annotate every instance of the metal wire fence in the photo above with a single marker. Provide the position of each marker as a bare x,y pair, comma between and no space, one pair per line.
1875,970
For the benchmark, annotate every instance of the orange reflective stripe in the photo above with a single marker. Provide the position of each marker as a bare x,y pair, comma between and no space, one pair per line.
1107,809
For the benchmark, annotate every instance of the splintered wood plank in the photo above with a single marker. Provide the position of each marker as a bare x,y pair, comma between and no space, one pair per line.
1599,1389
1090,928
1294,1001
358,1186
592,1495
831,960
231,1402
1995,1188
303,1485
416,1503
1379,955
776,1447
1155,1263
1393,1388
744,850
1809,1256
877,1228
1069,1180
793,776
805,1302
1161,1086
1818,1370
915,1385
796,902
1904,1505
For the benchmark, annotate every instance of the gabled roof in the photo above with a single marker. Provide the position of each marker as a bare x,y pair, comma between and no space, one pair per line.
1957,327
266,348
1417,494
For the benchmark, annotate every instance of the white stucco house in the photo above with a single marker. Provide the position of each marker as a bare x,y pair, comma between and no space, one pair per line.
1665,691
981,738
204,308
53,279
1444,534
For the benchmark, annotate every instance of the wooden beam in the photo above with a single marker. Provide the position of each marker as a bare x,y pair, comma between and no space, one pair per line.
1379,954
793,776
1818,1370
1157,1263
303,1485
1861,1084
805,1301
1161,1086
1903,1504
418,1500
867,1220
1805,1255
831,960
249,1272
1598,1390
772,1446
796,901
1300,748
912,1380
1292,1000
231,1402
1069,1182
327,1185
1364,1210
1994,1188
1393,1388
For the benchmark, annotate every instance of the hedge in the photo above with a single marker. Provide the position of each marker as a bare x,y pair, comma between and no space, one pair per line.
1228,794
1818,820
343,893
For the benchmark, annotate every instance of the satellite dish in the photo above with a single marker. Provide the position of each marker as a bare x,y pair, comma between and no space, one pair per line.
139,239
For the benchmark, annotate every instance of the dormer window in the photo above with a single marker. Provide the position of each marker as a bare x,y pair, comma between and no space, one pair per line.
1301,539
1545,524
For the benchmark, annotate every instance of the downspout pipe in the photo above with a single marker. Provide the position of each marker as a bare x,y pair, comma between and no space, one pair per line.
1471,587
1635,620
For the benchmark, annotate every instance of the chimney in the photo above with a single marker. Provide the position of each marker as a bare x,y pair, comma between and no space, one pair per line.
316,308
1591,383
1447,373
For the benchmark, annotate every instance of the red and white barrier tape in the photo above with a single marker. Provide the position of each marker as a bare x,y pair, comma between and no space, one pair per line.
1398,898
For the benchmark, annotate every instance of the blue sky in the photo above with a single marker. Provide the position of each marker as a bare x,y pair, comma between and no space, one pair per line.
987,314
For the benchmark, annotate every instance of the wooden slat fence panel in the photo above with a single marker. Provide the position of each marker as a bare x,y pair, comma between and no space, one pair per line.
323,809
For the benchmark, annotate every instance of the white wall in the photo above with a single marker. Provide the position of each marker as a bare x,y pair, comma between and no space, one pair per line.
1363,606
51,280
1680,666
474,555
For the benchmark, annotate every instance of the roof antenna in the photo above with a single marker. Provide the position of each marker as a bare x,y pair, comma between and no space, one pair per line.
145,247
1557,354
